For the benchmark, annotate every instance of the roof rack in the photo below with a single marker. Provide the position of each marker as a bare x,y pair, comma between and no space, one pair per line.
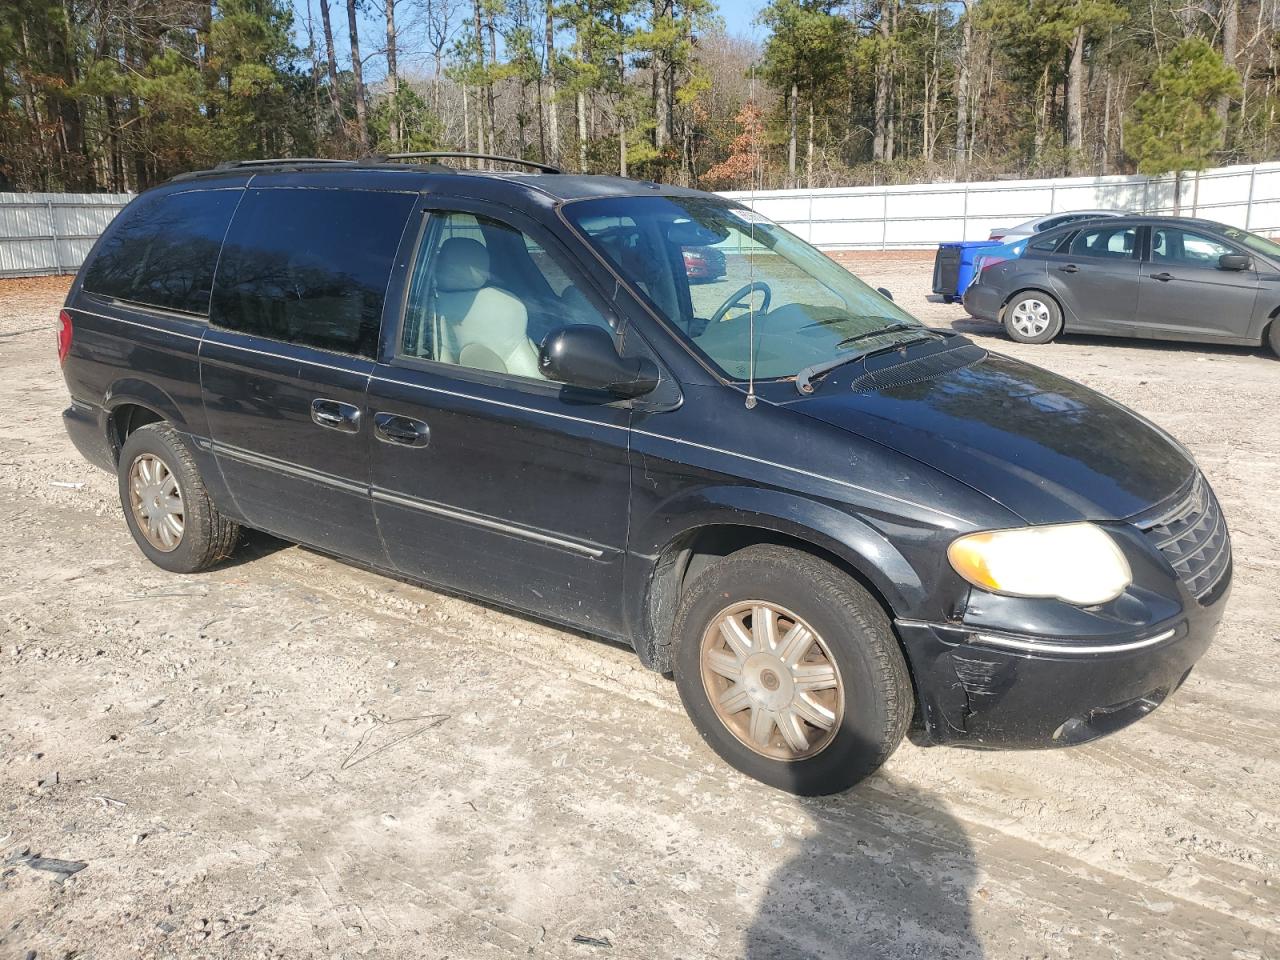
447,155
277,162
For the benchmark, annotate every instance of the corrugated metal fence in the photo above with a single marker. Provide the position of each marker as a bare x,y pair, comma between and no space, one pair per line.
923,215
46,233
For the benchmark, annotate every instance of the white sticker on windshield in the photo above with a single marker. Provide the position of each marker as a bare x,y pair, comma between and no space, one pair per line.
751,216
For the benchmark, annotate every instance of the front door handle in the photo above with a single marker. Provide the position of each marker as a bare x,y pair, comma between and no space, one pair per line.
335,415
403,431
1163,277
1069,268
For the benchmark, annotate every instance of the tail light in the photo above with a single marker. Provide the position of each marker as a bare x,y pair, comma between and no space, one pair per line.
996,236
987,263
64,335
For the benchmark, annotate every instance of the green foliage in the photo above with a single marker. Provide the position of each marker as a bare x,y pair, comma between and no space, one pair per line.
1175,124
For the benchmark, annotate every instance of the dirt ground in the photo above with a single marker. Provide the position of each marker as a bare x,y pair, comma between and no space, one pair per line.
289,757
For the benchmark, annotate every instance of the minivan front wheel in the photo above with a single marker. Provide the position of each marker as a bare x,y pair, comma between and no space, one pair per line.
166,505
790,670
1033,317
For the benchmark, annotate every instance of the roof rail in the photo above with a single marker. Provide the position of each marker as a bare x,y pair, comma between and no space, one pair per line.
277,162
448,155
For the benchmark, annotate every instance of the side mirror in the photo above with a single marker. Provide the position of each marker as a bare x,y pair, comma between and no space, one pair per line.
584,355
1233,261
884,292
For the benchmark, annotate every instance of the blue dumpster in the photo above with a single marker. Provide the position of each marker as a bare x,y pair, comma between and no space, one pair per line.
953,267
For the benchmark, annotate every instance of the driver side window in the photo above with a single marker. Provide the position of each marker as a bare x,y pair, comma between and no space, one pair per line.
484,295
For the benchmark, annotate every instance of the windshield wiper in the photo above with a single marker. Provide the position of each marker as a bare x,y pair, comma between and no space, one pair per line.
891,328
805,378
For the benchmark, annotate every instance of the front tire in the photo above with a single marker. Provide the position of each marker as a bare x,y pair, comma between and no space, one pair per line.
166,505
790,670
1033,317
1273,336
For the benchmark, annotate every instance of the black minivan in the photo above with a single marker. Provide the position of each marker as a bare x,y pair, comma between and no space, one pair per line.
823,518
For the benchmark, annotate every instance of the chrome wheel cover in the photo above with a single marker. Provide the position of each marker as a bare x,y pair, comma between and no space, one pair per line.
156,501
771,680
1031,317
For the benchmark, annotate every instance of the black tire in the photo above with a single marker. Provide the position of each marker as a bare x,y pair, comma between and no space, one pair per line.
207,537
1273,336
876,687
1029,298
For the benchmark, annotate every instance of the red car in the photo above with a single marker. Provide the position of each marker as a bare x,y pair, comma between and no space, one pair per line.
703,264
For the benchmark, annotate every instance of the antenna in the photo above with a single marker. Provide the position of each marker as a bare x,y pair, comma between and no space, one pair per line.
751,264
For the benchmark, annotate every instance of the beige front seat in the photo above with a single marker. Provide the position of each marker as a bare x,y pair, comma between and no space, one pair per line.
478,324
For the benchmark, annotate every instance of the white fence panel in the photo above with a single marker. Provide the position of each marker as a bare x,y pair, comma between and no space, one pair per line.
43,233
916,216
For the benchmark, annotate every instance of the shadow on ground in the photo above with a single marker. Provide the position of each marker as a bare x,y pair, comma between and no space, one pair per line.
885,873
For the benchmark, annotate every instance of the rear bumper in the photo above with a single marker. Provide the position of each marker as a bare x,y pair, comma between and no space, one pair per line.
983,302
85,427
988,689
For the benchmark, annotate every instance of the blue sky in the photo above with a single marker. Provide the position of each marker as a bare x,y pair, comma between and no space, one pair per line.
739,17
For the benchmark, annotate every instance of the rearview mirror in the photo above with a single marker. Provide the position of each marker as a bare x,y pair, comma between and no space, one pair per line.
885,292
584,355
1233,261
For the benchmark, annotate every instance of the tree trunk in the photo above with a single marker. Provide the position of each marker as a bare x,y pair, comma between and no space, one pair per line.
357,70
882,135
393,78
1075,103
808,157
488,85
553,116
962,88
661,80
480,110
1230,42
791,135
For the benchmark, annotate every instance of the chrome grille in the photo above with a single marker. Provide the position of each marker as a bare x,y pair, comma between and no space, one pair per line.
1193,537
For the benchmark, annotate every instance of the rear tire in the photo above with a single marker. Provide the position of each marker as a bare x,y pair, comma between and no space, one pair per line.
811,716
1032,317
166,505
1273,336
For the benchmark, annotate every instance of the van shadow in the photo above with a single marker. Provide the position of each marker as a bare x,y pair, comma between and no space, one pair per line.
885,873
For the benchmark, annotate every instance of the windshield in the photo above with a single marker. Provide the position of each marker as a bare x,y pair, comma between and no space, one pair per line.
1268,248
717,271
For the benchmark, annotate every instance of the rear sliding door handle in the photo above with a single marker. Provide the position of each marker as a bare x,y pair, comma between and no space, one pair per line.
402,431
1163,277
335,415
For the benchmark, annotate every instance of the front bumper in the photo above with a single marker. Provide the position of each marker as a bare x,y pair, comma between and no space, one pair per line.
990,689
983,302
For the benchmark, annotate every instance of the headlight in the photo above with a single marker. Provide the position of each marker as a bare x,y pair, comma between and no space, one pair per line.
1075,562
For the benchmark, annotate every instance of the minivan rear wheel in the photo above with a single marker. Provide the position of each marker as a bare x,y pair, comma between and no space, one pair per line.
166,505
790,670
1033,317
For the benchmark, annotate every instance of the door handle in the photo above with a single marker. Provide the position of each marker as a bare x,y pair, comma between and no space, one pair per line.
335,415
1070,268
1163,277
403,431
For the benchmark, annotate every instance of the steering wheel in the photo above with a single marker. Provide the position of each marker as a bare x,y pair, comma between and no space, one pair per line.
736,298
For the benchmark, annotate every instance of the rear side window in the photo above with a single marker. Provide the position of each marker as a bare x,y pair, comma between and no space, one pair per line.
1046,244
1107,243
164,252
310,266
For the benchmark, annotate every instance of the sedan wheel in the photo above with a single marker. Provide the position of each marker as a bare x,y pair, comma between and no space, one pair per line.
1033,318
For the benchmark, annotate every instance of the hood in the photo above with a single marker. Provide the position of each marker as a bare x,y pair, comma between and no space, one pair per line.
1045,447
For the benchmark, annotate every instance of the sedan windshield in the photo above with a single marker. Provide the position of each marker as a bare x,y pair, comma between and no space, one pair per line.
738,287
1258,244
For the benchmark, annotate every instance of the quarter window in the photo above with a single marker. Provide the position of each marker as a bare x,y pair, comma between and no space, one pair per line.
484,295
164,250
310,266
1107,243
1186,249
